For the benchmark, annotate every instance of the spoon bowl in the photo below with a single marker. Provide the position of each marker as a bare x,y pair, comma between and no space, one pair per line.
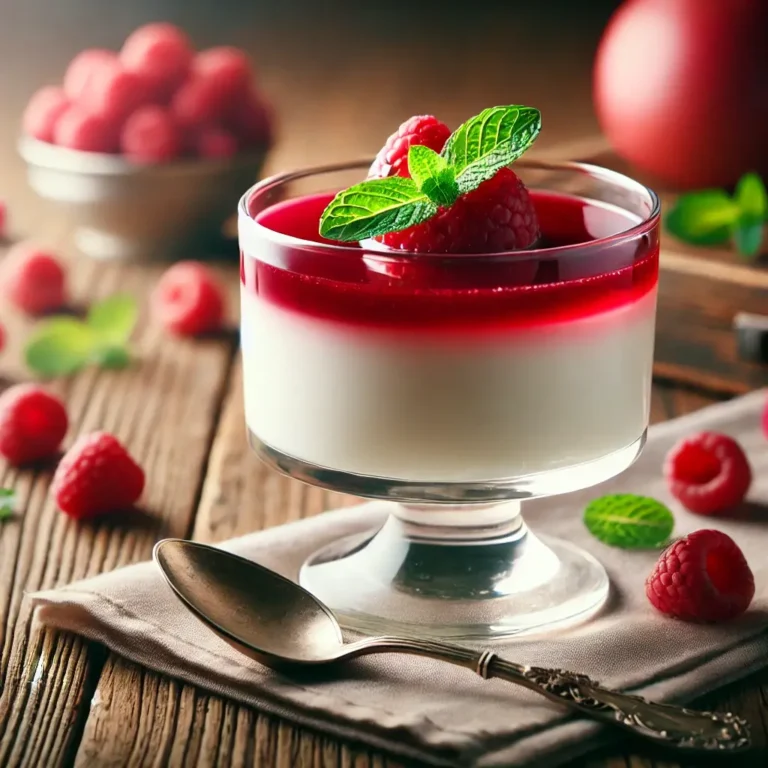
255,609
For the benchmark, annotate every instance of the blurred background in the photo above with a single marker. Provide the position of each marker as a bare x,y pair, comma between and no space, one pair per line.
341,73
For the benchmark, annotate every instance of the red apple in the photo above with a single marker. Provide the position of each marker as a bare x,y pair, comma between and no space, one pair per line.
681,88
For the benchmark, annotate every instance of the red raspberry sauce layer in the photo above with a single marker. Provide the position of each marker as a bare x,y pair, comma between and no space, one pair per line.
369,288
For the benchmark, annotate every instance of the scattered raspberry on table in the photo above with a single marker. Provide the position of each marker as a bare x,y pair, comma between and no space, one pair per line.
97,477
33,279
702,577
33,423
188,300
708,473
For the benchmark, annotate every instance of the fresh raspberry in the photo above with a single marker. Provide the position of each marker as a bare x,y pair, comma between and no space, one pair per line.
85,131
33,280
228,67
197,104
97,476
188,300
82,68
43,112
161,53
392,159
215,143
702,577
497,216
114,92
150,136
708,473
33,423
252,121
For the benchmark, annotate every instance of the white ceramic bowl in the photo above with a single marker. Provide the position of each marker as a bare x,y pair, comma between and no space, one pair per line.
123,210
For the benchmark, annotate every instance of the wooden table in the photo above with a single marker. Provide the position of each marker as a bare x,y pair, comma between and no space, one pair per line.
179,408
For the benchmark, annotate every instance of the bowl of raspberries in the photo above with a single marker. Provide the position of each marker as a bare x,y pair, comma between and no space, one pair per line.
148,147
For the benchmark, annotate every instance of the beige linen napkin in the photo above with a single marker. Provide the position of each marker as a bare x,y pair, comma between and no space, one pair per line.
433,711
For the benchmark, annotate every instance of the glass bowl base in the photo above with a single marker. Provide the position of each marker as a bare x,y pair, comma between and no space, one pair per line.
489,583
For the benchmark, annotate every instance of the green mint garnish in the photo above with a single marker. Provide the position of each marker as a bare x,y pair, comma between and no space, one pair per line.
63,345
432,175
629,521
7,503
713,217
490,141
113,319
474,153
375,208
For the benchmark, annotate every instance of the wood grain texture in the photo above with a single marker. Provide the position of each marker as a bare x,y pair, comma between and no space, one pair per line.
66,702
164,408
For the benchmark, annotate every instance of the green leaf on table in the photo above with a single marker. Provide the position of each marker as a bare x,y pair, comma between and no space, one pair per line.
7,503
113,358
751,197
59,346
629,521
752,201
113,319
374,208
748,237
703,218
489,141
432,175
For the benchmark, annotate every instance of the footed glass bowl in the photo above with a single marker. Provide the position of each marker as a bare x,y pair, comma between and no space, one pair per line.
452,387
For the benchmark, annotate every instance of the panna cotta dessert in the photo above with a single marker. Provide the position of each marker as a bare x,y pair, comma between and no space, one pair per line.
394,356
450,330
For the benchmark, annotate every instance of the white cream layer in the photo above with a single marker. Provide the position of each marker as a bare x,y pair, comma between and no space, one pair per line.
424,407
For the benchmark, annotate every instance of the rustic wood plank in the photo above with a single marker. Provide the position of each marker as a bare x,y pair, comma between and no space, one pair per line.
695,340
165,408
240,495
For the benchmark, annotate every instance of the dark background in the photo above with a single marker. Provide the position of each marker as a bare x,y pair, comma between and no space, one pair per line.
342,73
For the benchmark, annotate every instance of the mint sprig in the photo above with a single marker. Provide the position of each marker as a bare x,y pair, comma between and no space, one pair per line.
7,503
713,217
474,153
486,143
374,208
63,345
629,521
433,175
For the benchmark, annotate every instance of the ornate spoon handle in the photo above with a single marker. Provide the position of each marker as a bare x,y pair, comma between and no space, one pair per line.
664,723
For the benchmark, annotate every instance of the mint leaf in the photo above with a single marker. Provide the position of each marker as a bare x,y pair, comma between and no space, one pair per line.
60,346
752,201
7,503
374,208
751,197
748,237
703,218
629,521
114,358
433,176
113,319
488,142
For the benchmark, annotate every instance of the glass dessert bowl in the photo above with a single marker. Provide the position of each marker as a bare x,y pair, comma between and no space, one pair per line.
452,387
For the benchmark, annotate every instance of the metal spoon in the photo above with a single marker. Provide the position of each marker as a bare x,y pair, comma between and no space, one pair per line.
278,623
